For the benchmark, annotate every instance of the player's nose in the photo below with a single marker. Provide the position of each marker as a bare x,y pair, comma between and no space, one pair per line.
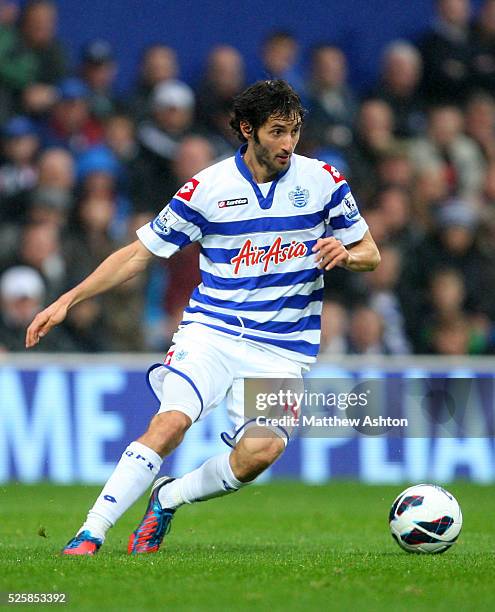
288,145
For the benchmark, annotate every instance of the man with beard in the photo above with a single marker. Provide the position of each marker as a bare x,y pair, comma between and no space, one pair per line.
262,219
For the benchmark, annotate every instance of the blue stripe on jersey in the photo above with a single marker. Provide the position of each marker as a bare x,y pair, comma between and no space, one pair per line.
257,282
297,346
342,222
189,214
265,224
276,327
337,197
178,238
225,255
292,301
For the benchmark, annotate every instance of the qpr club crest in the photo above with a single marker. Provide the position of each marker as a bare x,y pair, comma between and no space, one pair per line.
299,197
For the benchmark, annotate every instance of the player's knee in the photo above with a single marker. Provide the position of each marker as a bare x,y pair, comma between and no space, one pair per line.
173,423
254,455
166,431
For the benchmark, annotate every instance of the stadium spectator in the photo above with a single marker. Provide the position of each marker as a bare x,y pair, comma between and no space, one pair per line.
120,136
450,337
39,246
38,28
334,329
375,218
98,172
480,123
399,87
18,65
223,79
159,138
56,169
395,204
488,198
446,146
394,167
279,55
89,243
121,140
70,124
158,65
366,332
22,295
331,103
483,55
471,332
18,173
429,190
451,244
102,325
98,71
447,53
383,299
49,205
374,137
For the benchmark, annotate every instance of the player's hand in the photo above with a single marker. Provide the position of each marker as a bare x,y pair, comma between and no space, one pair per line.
44,321
330,252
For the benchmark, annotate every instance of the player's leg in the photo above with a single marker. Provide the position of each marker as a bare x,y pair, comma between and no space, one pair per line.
225,473
208,380
136,470
218,476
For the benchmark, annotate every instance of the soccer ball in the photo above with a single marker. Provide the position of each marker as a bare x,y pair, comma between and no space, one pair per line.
425,519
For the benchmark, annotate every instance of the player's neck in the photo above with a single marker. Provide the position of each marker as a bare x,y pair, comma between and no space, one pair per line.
261,174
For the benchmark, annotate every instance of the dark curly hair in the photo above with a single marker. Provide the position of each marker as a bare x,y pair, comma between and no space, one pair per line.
262,100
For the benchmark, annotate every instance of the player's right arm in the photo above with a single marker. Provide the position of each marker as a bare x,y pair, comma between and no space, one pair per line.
116,269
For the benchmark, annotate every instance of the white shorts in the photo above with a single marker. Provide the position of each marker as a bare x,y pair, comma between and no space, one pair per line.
214,366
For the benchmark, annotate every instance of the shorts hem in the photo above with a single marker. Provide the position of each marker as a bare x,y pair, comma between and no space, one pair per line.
182,375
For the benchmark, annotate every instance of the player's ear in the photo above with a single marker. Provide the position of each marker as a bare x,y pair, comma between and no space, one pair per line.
246,129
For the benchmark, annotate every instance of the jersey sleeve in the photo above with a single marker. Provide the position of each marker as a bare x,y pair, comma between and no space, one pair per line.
341,211
178,224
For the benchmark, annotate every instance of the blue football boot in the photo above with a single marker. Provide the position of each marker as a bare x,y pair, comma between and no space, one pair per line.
154,525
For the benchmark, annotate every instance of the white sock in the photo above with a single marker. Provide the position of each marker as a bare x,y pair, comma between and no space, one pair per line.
213,479
133,474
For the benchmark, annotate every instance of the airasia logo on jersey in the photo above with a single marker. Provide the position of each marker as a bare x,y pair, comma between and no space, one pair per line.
251,255
336,175
187,190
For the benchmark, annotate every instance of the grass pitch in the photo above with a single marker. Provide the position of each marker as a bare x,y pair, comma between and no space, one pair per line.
283,546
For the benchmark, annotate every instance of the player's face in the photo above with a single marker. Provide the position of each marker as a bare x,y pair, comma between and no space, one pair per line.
274,143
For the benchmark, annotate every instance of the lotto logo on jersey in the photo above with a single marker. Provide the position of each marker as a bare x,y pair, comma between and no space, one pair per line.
251,255
233,202
336,175
187,190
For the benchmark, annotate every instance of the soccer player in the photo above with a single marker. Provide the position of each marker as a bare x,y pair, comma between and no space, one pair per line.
263,219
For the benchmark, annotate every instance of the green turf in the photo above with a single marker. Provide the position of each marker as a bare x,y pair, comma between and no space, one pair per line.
283,546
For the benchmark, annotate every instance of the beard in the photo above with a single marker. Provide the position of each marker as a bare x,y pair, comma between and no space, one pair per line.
265,158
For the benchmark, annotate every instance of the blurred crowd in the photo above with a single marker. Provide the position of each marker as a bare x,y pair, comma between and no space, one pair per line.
82,168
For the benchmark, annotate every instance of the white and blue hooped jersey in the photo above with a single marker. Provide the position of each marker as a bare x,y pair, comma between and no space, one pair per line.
259,276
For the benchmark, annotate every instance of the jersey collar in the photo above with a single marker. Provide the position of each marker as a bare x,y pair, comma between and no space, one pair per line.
264,203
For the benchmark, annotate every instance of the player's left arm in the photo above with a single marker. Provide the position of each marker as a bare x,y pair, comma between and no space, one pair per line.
360,256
